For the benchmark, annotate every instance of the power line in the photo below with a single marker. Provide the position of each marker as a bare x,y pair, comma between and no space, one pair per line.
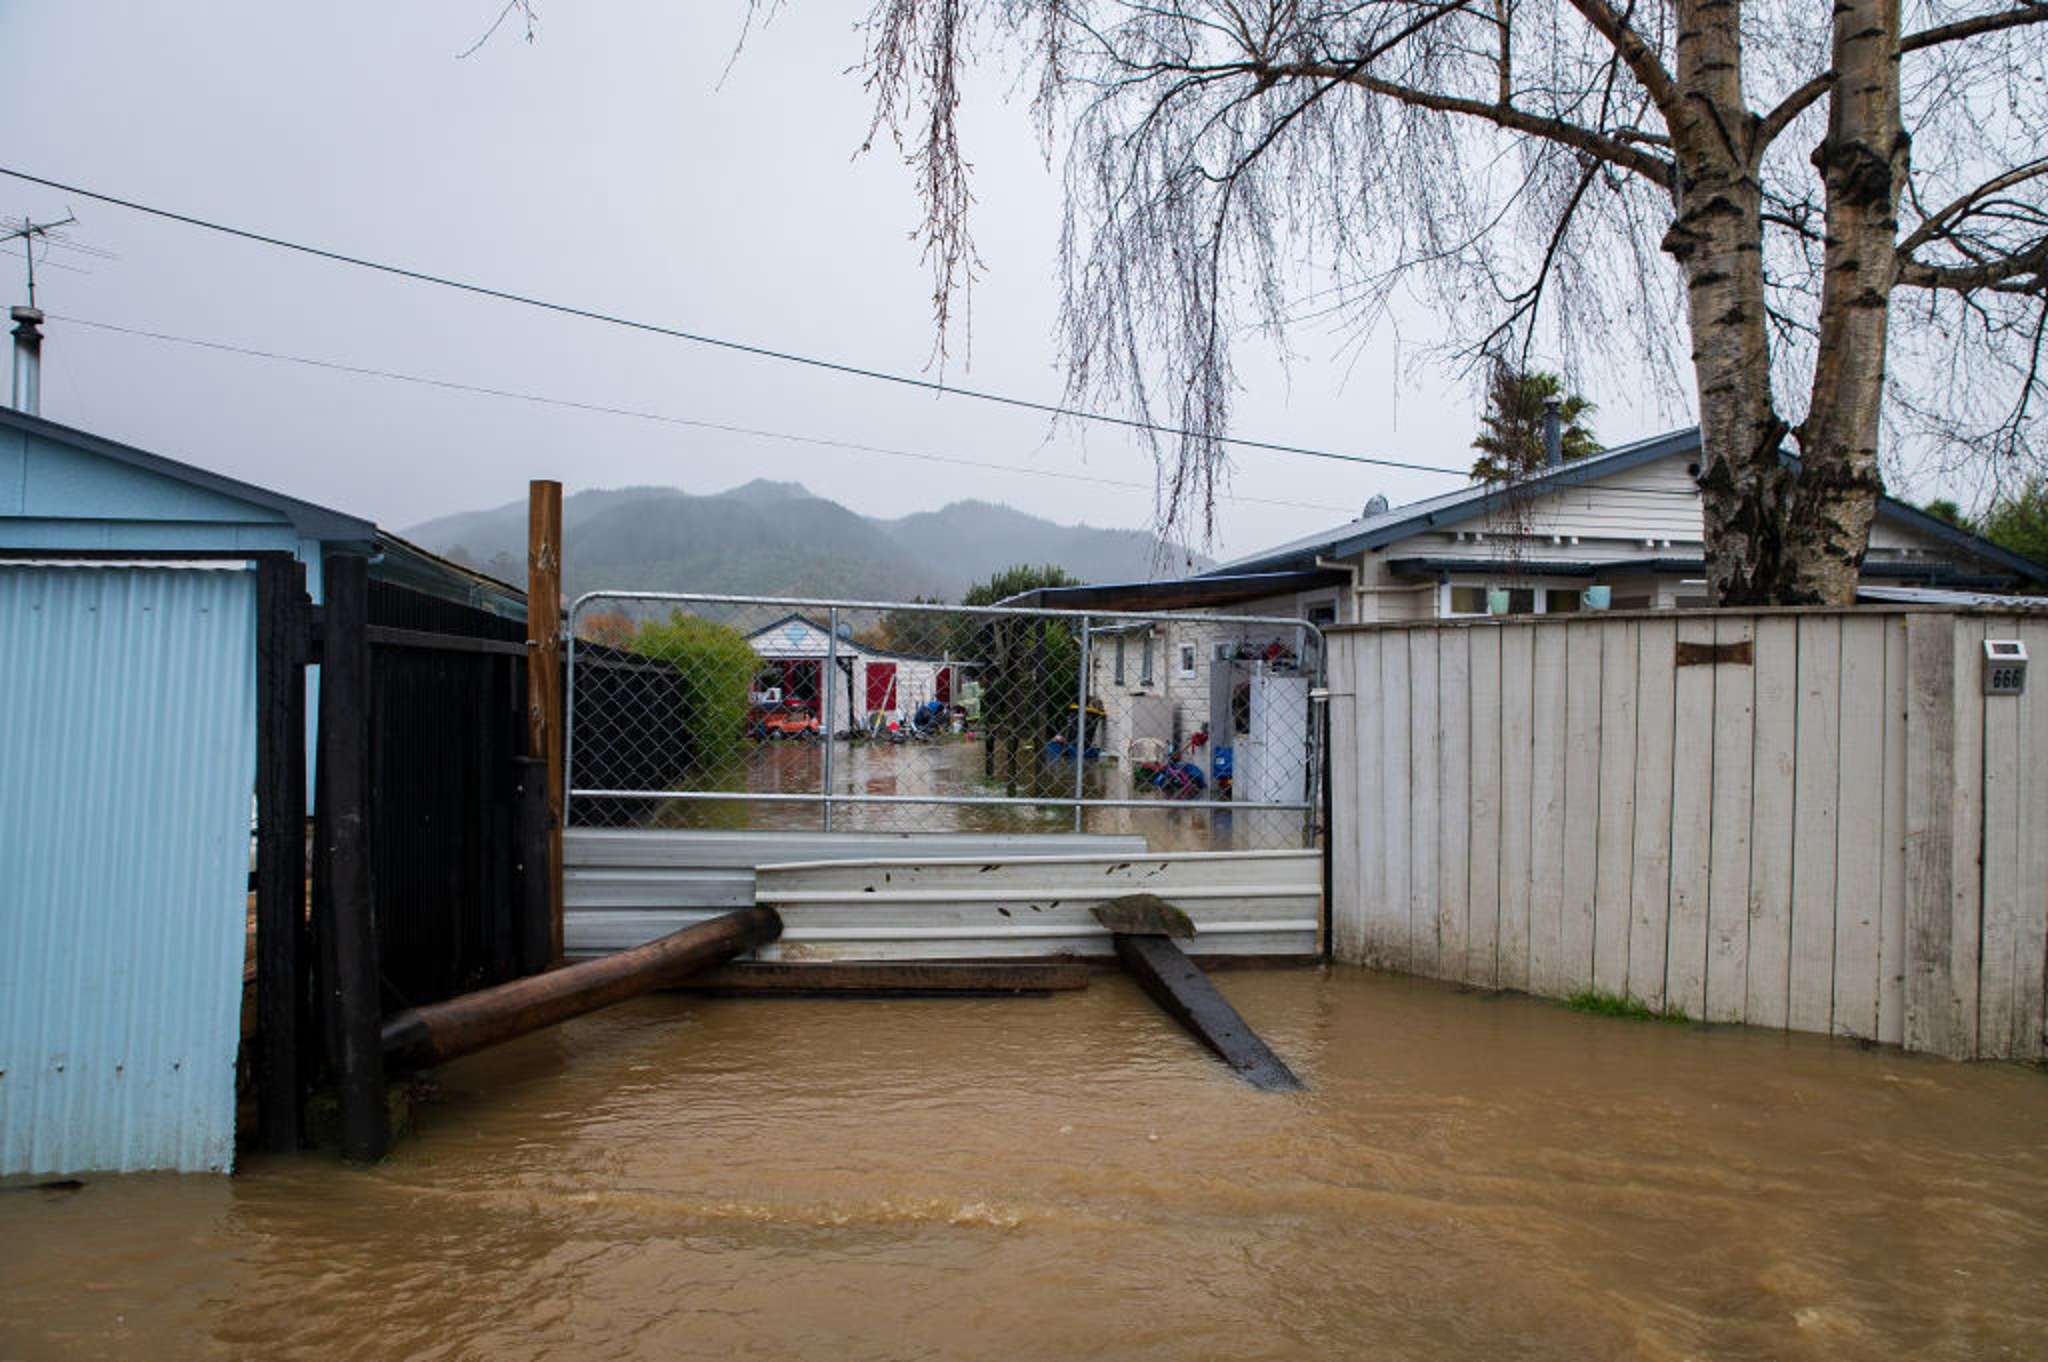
662,417
740,347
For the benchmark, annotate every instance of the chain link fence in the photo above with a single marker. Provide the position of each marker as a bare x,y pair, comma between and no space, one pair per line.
1196,731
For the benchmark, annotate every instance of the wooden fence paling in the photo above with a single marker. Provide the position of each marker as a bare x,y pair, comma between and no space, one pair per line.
1517,752
1612,876
1806,818
348,925
1454,787
281,844
1966,887
1728,889
1423,732
1345,774
1482,936
1858,875
1546,810
1650,897
1582,758
1692,807
1891,943
1816,791
2030,937
1770,823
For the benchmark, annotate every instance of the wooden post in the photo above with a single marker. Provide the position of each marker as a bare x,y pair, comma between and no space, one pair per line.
443,1031
280,844
531,883
354,1003
544,734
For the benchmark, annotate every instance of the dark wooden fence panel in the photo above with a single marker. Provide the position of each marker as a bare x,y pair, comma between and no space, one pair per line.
448,730
609,754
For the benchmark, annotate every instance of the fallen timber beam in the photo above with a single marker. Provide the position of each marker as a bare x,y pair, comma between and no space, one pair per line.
422,1036
907,979
1143,928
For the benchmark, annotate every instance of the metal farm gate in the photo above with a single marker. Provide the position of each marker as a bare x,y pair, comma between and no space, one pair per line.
1196,732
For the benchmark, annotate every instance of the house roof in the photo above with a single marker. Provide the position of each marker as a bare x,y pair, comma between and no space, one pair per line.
1471,503
852,645
1186,593
394,559
310,520
407,564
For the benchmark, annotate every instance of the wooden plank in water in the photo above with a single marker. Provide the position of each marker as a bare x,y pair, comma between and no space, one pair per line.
908,978
1178,985
438,1032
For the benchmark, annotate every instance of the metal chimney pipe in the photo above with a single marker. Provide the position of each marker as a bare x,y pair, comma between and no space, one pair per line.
28,359
1553,431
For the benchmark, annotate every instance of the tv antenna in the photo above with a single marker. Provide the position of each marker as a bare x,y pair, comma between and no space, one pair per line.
28,231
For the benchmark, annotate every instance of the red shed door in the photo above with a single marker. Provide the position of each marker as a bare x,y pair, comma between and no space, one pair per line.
881,686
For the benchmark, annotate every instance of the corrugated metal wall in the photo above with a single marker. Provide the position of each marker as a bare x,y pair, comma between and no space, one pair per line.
127,765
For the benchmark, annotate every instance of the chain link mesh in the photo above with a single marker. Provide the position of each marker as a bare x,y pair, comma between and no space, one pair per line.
1194,731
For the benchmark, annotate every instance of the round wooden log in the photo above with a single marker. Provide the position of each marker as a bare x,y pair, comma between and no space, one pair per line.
421,1036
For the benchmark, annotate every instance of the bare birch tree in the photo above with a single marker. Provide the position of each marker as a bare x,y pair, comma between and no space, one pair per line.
1795,187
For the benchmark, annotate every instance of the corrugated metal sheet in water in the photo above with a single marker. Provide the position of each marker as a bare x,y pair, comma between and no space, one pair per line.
1243,903
625,887
127,762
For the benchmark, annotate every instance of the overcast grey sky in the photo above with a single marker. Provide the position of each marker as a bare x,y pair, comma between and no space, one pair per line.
604,166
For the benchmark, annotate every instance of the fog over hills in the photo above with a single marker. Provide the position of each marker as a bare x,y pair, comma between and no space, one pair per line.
776,538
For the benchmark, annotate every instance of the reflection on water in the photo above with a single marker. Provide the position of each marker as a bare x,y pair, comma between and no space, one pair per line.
948,767
1467,1177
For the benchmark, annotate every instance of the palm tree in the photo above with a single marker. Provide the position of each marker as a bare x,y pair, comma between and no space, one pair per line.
1510,441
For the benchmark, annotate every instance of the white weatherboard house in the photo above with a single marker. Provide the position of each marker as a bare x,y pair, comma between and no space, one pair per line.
872,681
1627,519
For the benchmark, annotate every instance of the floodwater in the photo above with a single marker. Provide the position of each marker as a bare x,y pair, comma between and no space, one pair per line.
953,767
1068,1177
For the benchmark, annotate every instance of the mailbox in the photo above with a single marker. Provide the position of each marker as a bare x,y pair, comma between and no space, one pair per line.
2005,666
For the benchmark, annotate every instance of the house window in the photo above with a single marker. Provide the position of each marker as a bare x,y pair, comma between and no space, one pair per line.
1490,599
1323,612
1225,651
1482,600
1119,659
1145,662
1187,660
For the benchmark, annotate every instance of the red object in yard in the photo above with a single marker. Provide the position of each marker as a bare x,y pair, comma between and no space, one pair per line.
789,723
942,688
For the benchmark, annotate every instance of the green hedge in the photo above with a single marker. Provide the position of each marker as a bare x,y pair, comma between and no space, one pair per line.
717,666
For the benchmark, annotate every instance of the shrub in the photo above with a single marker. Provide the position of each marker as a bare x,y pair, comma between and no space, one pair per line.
716,668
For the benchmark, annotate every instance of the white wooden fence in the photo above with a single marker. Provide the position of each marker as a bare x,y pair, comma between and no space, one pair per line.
1806,819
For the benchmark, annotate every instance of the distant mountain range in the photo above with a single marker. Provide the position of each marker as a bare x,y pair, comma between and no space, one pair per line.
776,538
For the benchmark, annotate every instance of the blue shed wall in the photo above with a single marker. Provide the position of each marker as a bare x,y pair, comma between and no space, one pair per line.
127,769
56,496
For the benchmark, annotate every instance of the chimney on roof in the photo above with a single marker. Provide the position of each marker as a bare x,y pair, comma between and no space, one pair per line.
28,359
1553,431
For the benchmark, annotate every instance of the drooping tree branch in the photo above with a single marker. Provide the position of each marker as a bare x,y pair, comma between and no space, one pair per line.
1616,149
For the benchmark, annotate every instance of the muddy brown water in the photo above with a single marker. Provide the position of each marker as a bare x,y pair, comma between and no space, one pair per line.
952,767
1067,1177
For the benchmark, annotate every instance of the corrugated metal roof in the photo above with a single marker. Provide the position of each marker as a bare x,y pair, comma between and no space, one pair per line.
1469,503
127,763
1934,595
